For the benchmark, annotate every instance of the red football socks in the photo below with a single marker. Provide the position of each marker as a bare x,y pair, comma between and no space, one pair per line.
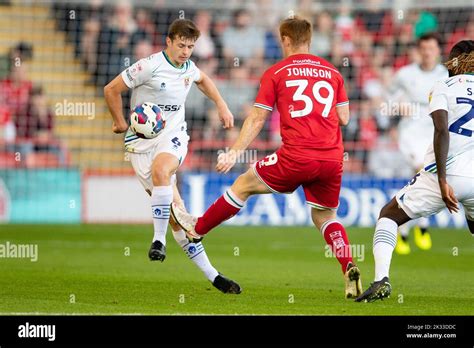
223,208
336,237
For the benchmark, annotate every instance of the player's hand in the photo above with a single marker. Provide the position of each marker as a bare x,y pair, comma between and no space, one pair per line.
448,196
225,115
119,128
225,161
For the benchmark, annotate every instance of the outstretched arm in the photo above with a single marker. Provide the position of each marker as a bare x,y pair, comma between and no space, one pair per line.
441,147
113,97
251,128
343,114
208,87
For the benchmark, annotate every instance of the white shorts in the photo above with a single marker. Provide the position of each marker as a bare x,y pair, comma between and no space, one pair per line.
422,196
175,143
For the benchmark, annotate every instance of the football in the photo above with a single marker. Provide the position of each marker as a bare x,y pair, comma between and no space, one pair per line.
147,120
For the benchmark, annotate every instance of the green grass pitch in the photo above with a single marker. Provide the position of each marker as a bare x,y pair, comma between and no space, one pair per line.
84,269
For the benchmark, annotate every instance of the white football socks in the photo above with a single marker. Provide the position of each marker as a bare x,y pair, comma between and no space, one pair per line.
161,198
197,254
424,222
385,239
405,229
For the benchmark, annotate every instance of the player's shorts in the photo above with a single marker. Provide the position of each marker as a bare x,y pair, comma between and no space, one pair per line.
175,143
321,180
422,196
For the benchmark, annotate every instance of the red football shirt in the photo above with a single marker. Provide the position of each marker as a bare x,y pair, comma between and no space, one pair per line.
306,90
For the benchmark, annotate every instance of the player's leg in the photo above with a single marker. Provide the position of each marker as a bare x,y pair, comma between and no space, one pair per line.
275,173
421,234
403,247
336,238
322,195
142,163
385,239
391,217
163,167
195,251
470,224
334,234
225,207
464,190
421,197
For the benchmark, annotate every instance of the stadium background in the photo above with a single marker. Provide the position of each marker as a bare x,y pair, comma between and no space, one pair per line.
61,163
67,187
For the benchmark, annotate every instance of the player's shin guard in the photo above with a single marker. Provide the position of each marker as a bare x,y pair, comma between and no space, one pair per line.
196,253
385,239
223,209
161,198
336,237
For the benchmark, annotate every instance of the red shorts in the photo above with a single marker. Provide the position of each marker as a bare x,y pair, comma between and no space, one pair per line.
321,180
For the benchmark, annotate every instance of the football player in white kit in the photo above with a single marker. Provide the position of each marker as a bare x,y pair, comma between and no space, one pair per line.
448,174
165,78
411,87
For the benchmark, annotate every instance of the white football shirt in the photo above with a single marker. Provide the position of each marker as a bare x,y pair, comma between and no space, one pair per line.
155,79
412,85
456,96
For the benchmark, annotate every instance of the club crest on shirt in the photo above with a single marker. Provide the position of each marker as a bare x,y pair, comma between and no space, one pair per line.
133,71
187,82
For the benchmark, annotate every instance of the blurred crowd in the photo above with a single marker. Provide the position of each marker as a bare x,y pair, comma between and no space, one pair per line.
26,119
368,46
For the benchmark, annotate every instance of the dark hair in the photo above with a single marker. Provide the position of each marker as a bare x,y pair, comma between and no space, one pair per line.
183,28
461,58
464,46
430,36
239,13
299,30
23,49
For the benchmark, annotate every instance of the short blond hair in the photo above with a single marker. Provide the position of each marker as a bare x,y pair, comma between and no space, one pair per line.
298,29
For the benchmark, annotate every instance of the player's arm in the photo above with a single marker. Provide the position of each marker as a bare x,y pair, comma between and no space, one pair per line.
208,87
252,126
441,147
113,97
343,114
342,103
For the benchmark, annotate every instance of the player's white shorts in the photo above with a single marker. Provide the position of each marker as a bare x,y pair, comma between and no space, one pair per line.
422,196
175,143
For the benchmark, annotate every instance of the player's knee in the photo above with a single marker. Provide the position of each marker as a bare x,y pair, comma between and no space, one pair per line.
240,188
319,216
162,175
243,187
386,211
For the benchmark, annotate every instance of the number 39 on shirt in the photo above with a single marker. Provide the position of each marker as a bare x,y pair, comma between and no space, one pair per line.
299,95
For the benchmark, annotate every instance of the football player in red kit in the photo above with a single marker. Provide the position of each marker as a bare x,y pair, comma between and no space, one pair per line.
310,96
